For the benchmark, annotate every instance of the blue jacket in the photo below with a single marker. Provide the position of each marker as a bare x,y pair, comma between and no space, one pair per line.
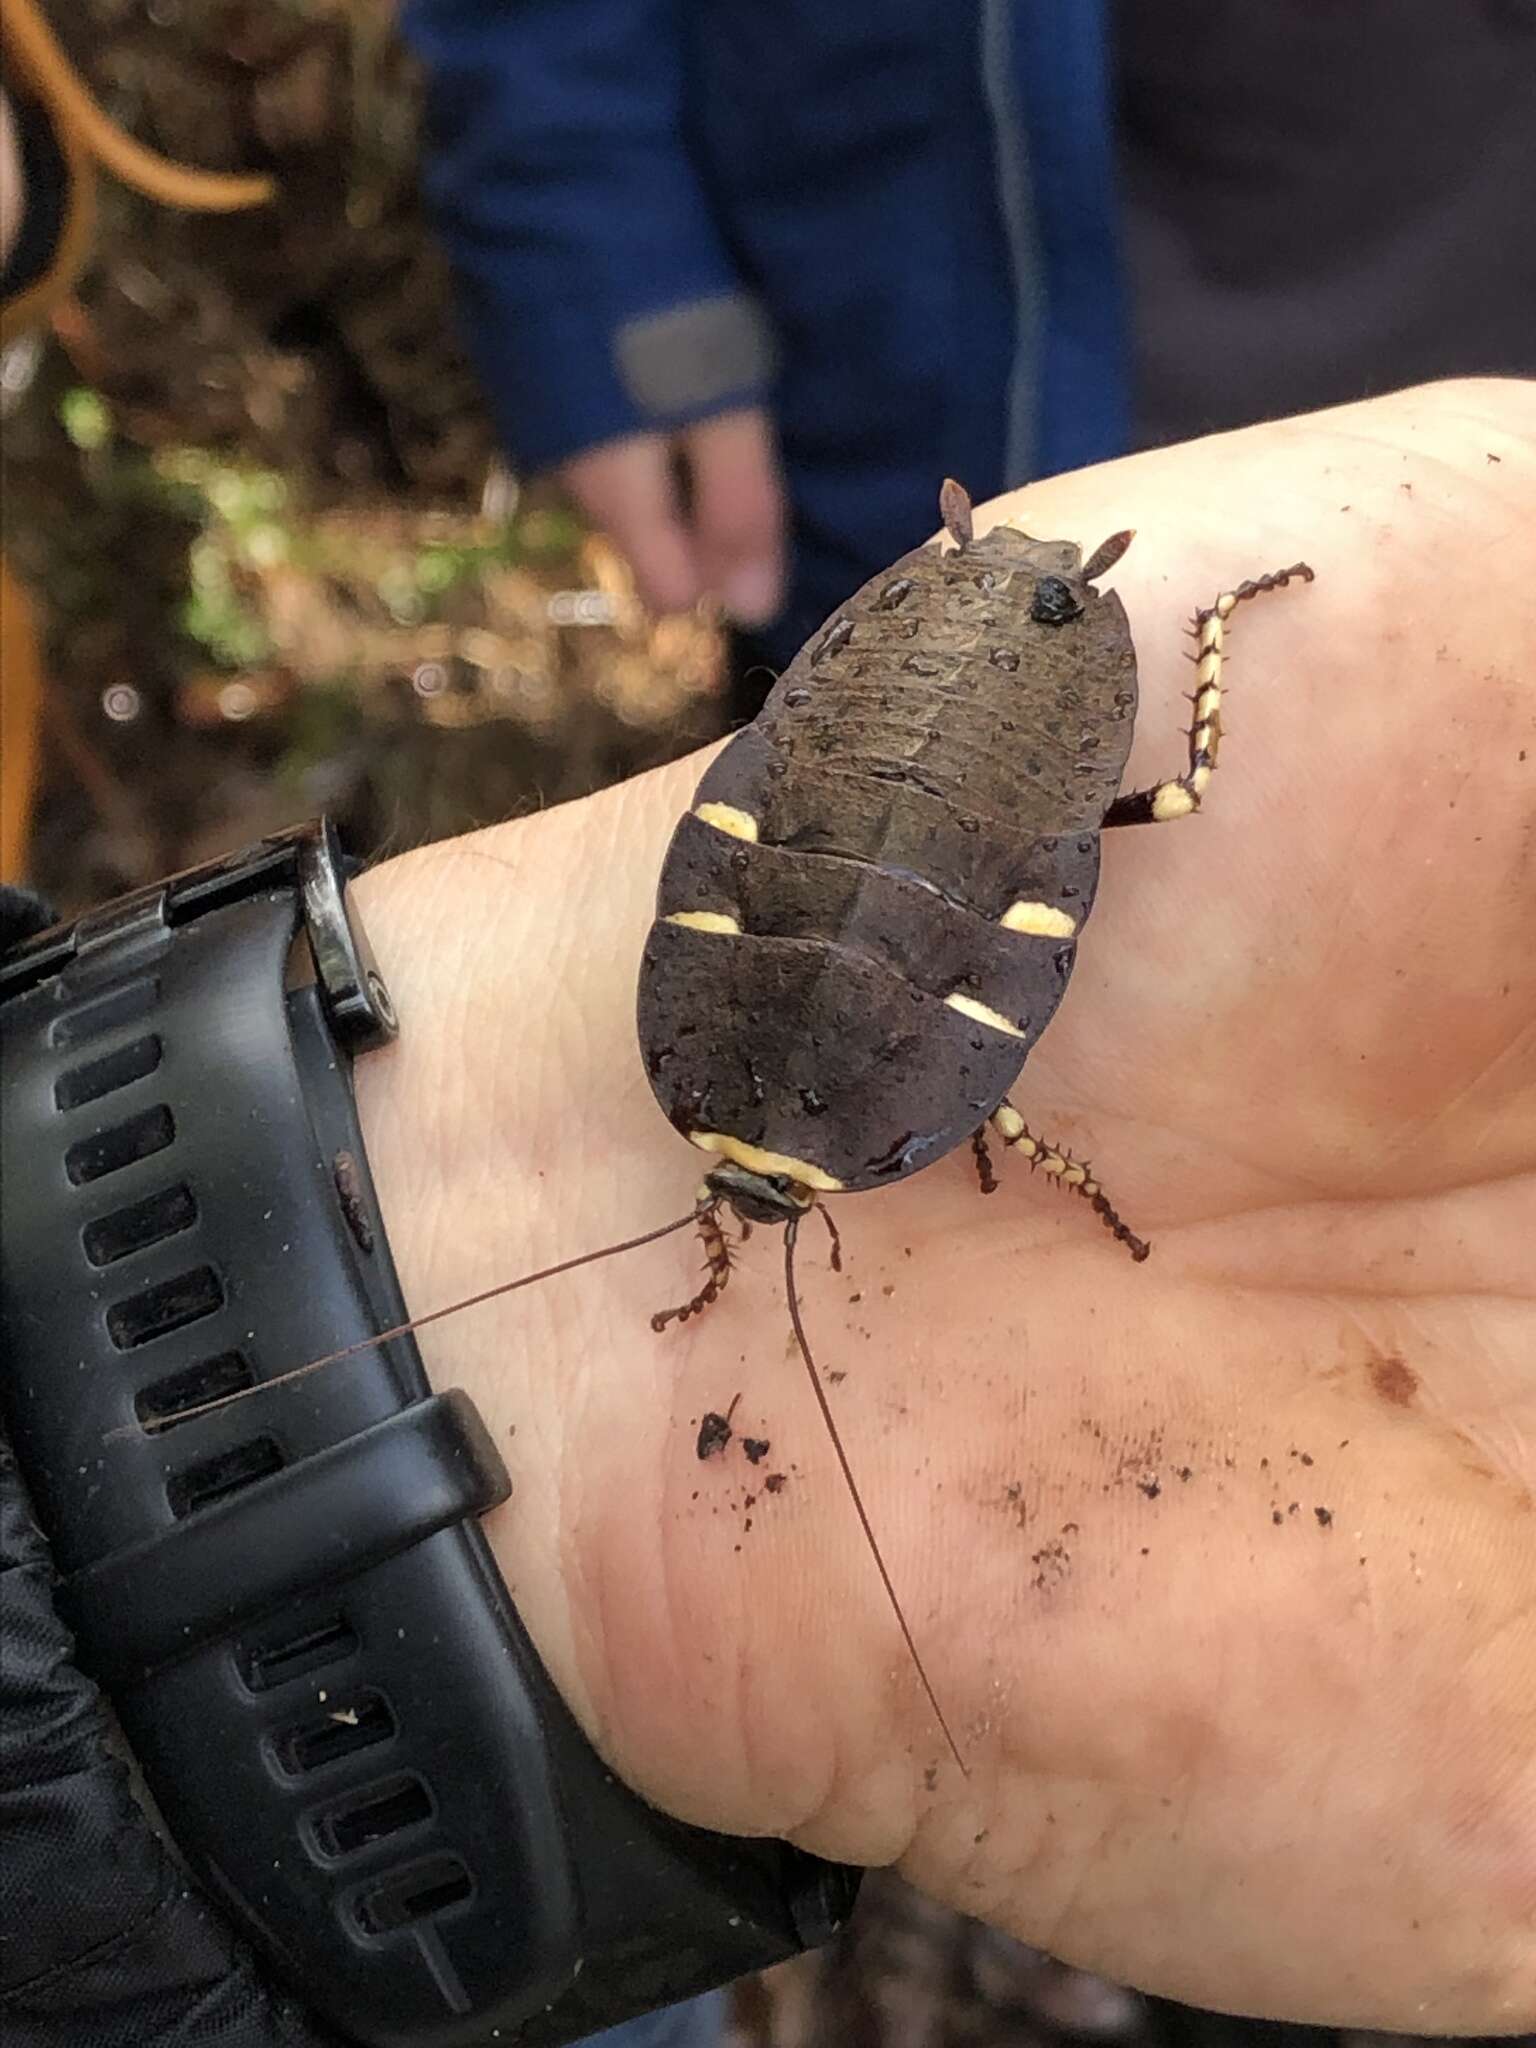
892,221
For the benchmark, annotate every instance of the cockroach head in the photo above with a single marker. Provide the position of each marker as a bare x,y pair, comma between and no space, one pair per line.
759,1197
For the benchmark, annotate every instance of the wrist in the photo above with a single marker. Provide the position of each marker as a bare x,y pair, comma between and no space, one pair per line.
510,1127
715,1640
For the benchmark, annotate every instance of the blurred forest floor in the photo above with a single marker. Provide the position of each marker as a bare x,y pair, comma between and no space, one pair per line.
280,564
281,568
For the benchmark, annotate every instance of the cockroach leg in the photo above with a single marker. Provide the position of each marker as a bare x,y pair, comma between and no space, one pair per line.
1067,1172
984,1171
1182,794
837,1242
717,1258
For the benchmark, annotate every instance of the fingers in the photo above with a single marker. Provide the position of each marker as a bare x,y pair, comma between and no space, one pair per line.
628,489
714,531
738,514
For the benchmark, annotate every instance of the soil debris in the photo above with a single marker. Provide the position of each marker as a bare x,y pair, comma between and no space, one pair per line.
1052,1562
715,1431
1394,1380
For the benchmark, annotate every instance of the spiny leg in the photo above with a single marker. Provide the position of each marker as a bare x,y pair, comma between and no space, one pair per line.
1182,794
717,1257
837,1242
984,1171
1066,1171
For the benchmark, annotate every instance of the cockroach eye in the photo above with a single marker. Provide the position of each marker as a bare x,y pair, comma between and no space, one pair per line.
1055,602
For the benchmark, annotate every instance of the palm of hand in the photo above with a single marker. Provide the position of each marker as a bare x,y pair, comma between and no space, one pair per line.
1224,1566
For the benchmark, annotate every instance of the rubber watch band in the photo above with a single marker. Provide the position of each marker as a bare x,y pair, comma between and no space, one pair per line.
289,1598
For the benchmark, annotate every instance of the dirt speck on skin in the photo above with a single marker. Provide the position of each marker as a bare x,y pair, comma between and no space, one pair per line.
1277,1518
835,1379
756,1448
1324,1517
775,1482
1150,1487
715,1432
1052,1562
1394,1380
931,1777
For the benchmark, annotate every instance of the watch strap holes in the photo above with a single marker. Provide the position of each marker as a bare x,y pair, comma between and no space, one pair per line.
139,1225
386,1809
159,1404
214,1479
119,1006
274,1664
418,1893
351,1721
111,1150
168,1305
104,1076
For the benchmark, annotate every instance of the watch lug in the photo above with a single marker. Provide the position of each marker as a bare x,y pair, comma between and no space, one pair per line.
356,998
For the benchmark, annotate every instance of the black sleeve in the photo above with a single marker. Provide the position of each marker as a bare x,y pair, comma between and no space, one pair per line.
47,189
108,1943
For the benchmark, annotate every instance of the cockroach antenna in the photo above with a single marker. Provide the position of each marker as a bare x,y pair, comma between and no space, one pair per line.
790,1233
436,1315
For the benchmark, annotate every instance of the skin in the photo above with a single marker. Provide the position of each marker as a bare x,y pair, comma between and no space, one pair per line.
721,540
1288,1769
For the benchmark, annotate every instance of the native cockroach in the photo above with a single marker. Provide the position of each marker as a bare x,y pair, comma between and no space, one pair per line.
870,911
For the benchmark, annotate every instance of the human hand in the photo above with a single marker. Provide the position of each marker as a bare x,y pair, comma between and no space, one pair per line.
725,542
1271,1760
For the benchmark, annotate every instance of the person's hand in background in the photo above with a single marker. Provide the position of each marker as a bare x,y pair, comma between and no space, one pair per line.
698,514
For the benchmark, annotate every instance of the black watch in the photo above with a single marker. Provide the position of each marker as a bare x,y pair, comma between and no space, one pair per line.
289,1599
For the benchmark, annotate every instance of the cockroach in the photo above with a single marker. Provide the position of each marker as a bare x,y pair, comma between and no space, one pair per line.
871,909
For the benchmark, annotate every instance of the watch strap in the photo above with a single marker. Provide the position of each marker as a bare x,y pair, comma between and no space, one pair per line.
305,1636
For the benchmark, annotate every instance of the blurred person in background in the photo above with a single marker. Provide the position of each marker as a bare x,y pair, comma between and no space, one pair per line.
751,280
